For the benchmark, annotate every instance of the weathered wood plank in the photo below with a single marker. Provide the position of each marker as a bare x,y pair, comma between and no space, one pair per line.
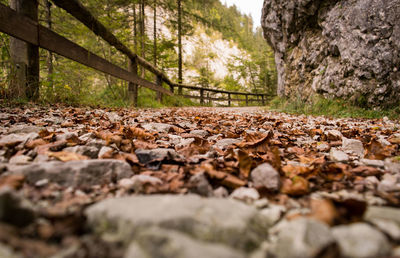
191,87
51,41
217,99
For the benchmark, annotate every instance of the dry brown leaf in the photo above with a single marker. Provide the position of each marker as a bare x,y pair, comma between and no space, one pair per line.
13,181
292,171
67,156
375,150
245,164
295,186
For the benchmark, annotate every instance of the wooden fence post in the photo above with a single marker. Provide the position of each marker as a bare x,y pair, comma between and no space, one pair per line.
247,100
201,96
25,56
263,100
159,82
171,88
229,99
132,87
180,90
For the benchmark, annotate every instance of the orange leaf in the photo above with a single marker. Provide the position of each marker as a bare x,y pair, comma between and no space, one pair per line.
323,210
245,163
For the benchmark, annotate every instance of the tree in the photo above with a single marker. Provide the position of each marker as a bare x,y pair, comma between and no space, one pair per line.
180,62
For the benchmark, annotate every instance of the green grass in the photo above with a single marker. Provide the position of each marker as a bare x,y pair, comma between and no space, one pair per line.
330,107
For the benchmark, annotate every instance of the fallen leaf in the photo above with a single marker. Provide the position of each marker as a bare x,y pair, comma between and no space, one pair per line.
295,186
67,156
323,210
245,163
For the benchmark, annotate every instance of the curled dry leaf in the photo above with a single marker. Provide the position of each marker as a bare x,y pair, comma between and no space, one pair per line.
245,163
254,144
375,150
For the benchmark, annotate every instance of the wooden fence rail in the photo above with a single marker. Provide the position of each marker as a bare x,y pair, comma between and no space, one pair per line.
29,30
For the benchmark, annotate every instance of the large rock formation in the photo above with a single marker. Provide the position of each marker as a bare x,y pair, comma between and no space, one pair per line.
338,48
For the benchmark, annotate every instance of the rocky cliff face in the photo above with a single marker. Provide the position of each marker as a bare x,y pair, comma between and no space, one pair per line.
337,48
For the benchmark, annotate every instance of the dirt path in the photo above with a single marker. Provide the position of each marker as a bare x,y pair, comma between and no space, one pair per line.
57,162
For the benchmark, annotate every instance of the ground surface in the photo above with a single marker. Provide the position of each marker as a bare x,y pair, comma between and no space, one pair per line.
196,182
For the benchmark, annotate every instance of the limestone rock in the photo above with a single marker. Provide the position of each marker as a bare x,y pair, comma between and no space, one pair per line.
156,242
361,240
75,173
337,155
15,139
200,185
210,219
245,194
354,146
384,213
156,155
265,176
225,143
157,127
345,49
201,133
90,151
301,238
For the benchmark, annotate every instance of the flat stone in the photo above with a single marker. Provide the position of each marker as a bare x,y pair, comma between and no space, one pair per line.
89,151
140,181
301,238
126,183
103,151
157,156
382,212
338,156
392,166
225,143
25,129
15,139
273,213
210,219
265,176
75,173
156,242
14,209
390,228
323,147
157,127
245,194
333,135
200,185
20,159
354,146
361,240
373,163
113,117
389,183
201,133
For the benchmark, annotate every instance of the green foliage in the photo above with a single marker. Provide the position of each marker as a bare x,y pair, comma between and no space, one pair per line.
329,107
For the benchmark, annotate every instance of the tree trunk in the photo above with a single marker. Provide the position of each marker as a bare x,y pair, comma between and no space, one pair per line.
180,70
143,33
135,34
49,53
24,56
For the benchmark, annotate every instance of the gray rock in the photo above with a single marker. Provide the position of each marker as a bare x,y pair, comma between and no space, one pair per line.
140,181
354,146
323,147
248,195
373,163
14,209
338,156
383,213
201,133
75,173
390,228
333,135
265,176
15,139
66,136
156,242
301,238
225,143
7,252
361,240
157,127
20,159
103,151
157,156
180,142
126,183
200,185
221,192
389,183
211,219
273,213
113,117
90,151
392,166
344,49
25,129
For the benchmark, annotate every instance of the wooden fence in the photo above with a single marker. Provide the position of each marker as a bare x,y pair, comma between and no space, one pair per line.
26,27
